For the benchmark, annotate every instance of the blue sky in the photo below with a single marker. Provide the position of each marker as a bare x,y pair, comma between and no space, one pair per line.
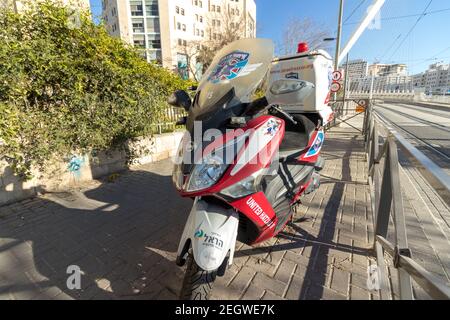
428,42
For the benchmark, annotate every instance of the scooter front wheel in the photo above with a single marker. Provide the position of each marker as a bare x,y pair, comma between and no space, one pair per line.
197,283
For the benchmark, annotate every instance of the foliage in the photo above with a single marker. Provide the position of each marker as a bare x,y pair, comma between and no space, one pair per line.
68,87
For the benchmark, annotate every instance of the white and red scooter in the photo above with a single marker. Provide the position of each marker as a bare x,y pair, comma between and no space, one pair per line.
247,181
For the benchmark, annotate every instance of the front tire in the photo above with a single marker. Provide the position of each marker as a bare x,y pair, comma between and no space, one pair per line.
197,283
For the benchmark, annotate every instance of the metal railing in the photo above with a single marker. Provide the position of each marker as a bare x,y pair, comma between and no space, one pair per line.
343,110
387,202
168,117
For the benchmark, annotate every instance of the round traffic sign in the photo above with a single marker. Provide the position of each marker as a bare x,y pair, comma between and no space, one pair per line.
362,103
335,87
337,75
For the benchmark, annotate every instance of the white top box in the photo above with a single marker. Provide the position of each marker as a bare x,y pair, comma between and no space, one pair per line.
314,67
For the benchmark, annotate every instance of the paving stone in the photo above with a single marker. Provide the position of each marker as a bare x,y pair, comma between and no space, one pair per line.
358,294
340,281
316,292
296,288
240,282
263,281
270,296
253,292
285,271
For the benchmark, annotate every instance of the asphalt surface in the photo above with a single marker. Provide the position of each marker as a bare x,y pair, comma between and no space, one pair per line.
426,126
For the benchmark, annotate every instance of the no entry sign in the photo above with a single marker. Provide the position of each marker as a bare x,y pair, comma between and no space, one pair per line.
337,75
335,87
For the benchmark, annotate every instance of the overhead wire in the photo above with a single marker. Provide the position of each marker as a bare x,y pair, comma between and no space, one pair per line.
411,29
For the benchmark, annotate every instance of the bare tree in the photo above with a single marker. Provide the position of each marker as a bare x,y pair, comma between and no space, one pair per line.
222,29
191,51
302,30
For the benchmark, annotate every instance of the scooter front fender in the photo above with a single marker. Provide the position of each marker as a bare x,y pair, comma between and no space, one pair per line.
211,230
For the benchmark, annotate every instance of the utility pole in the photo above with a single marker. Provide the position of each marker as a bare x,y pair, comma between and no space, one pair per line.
339,35
371,87
338,40
345,84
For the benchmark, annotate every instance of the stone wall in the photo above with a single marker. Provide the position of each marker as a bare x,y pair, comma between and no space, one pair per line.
75,169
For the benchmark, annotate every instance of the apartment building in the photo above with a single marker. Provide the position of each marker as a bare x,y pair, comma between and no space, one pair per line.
20,5
169,30
434,80
388,70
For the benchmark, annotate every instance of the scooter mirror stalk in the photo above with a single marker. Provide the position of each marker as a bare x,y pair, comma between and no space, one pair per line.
180,99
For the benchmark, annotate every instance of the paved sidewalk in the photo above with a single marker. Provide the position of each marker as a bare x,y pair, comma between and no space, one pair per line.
124,234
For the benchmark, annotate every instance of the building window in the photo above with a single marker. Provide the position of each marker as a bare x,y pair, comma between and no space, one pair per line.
178,26
138,25
201,19
139,41
184,27
218,9
213,8
182,12
151,9
154,42
153,25
203,33
114,27
177,9
136,8
113,12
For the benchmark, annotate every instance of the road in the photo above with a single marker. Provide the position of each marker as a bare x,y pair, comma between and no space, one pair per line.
426,127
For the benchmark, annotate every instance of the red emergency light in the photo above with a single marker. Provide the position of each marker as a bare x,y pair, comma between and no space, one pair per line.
302,47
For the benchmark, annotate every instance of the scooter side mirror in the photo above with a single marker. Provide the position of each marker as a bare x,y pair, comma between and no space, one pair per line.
180,99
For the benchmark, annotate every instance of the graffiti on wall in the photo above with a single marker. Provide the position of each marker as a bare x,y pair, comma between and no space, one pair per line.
75,164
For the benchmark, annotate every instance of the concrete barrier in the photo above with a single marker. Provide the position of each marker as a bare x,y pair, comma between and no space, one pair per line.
401,97
75,169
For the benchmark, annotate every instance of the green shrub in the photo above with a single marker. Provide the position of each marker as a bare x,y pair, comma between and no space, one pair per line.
66,88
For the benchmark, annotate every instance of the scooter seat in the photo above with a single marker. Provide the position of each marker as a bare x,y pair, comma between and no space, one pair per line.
293,143
296,136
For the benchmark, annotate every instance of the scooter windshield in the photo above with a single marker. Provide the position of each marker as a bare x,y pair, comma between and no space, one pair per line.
241,66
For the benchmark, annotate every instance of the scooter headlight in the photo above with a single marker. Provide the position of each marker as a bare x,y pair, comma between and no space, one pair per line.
206,174
244,187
